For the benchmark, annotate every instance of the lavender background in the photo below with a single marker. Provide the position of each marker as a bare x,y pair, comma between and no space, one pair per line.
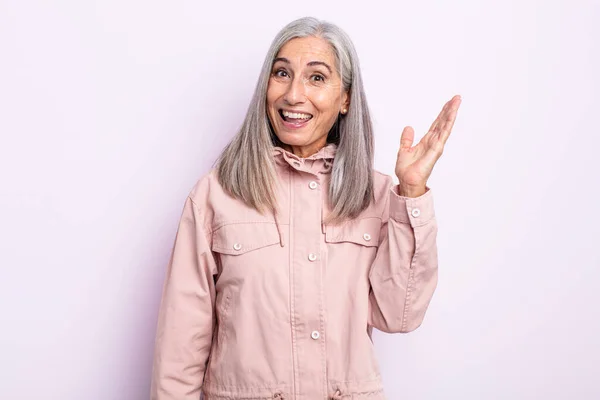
110,110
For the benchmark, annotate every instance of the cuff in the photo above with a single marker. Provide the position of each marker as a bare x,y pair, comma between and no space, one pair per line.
415,211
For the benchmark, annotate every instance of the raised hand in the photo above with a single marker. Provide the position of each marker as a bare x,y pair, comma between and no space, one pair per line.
415,163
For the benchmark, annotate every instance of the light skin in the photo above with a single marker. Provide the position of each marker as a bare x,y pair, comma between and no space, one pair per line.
304,79
305,97
414,164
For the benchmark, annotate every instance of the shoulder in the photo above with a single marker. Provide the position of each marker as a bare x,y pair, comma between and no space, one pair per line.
380,179
204,193
216,206
382,183
205,186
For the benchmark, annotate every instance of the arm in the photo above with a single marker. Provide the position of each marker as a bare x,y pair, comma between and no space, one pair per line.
186,318
404,274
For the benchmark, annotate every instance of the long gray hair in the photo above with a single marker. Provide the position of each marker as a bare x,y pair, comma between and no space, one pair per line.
246,168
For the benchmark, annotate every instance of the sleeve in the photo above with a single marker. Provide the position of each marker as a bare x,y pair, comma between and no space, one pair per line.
404,274
186,316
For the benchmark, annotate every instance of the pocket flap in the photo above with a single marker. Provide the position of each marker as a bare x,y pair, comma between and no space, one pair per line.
240,238
364,231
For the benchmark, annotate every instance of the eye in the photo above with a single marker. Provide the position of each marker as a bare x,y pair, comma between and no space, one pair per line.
318,78
281,73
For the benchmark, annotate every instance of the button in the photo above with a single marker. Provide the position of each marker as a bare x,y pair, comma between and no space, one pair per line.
312,185
312,257
416,212
315,335
237,246
367,237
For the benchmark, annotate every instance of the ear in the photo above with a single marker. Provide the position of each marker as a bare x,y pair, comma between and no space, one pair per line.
345,101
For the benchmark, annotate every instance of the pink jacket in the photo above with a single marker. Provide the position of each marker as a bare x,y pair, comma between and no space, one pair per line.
258,308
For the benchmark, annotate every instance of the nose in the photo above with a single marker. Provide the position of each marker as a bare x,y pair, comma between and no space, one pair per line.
296,92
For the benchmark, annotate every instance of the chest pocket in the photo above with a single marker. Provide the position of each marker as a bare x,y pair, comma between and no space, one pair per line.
363,231
244,237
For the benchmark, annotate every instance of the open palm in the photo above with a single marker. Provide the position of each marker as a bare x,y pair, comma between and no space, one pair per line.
415,164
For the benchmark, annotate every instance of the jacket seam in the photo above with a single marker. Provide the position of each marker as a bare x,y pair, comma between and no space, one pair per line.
205,229
245,221
385,207
353,240
407,301
268,386
410,282
292,292
422,222
221,332
322,262
387,199
342,237
377,378
246,248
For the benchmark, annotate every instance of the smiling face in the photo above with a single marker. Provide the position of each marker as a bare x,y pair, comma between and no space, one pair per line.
305,94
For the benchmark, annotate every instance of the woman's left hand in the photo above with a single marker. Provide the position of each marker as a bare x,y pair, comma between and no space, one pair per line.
414,164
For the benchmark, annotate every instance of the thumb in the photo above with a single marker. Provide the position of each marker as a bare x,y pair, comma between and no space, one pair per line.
407,138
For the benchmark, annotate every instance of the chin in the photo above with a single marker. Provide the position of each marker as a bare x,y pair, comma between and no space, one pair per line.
294,139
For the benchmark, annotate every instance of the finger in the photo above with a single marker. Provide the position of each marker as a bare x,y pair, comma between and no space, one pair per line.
443,115
435,123
407,137
447,127
448,123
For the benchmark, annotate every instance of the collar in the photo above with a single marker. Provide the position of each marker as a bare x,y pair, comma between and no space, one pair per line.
320,162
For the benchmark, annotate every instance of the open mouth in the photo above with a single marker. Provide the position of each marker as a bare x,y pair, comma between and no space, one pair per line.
294,119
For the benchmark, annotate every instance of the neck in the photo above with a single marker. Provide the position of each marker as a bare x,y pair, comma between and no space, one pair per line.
305,151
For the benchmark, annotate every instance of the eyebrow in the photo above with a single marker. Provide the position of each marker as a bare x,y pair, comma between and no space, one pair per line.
310,64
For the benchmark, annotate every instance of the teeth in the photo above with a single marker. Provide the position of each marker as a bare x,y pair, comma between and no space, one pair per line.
292,115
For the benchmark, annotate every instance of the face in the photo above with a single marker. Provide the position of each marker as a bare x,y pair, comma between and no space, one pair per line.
305,94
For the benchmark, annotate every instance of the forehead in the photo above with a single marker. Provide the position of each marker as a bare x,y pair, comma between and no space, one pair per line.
305,50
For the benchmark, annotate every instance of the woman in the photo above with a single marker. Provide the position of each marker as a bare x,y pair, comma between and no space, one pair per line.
293,248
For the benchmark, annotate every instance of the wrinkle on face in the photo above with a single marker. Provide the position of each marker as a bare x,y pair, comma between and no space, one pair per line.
305,79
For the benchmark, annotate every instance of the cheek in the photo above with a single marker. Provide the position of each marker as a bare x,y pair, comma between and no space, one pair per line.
272,96
275,91
270,100
327,104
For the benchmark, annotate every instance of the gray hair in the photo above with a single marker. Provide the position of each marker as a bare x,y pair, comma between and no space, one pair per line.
246,168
